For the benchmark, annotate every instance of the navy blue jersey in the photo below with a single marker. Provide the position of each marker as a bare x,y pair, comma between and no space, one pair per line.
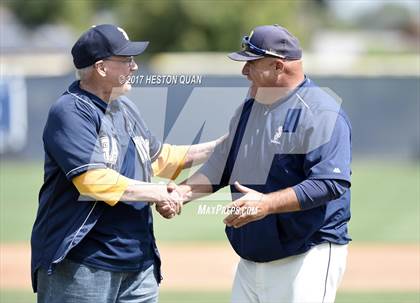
83,132
303,136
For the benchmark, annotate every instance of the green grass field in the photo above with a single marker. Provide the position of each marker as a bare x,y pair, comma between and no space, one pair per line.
223,297
385,206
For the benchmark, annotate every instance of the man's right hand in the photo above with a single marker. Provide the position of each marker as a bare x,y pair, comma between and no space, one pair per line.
172,205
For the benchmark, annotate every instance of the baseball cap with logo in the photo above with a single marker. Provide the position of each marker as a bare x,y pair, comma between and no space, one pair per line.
268,40
102,41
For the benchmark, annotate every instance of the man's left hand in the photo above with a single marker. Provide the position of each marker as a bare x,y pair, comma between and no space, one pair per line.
251,207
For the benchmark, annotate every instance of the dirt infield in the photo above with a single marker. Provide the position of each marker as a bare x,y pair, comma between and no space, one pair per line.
190,266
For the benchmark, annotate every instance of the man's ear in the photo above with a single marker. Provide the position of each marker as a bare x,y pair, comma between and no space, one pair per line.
280,66
100,68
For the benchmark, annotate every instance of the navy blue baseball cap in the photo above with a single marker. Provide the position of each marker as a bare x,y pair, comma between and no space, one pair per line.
268,40
102,41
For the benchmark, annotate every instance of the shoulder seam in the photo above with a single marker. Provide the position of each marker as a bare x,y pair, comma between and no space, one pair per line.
81,99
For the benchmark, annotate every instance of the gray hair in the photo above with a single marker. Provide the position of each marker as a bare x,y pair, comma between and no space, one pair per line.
82,73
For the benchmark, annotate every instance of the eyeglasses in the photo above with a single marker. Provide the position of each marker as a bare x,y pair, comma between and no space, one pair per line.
248,46
130,61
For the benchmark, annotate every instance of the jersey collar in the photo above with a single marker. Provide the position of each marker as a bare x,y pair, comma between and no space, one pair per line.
74,88
306,82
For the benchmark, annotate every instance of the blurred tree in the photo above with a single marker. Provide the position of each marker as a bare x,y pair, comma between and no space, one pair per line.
388,16
178,25
36,12
76,13
202,25
321,3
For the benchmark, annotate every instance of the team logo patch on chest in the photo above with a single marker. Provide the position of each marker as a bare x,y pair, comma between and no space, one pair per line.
142,147
277,135
109,149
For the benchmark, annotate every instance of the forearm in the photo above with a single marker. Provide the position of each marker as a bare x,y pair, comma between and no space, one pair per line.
305,195
253,205
195,187
144,192
109,186
286,200
281,201
199,153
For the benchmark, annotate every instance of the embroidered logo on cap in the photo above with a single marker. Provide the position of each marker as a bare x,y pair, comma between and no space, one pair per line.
123,32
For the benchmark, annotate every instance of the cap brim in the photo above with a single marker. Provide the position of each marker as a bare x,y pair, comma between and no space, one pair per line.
244,56
133,48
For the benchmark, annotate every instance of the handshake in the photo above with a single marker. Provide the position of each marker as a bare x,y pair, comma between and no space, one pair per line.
172,200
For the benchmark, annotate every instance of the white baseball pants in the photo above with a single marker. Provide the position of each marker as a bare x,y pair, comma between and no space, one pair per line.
312,277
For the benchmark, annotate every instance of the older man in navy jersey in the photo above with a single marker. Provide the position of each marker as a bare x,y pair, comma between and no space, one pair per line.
287,160
93,239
